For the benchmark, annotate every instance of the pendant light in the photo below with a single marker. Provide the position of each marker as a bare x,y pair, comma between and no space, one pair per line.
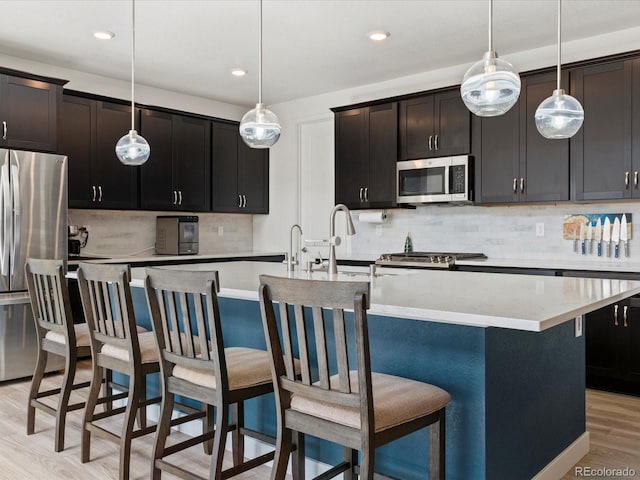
132,149
560,115
491,86
260,128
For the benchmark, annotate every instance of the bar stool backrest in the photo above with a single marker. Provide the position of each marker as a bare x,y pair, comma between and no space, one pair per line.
324,341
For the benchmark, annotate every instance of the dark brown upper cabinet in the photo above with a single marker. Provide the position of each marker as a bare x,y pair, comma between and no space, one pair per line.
89,132
514,163
601,152
176,176
434,125
365,156
239,174
29,111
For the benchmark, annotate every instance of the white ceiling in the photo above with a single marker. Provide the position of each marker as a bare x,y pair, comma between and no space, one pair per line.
310,46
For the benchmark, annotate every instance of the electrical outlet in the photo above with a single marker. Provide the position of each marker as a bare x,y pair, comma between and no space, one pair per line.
220,231
578,326
539,229
378,230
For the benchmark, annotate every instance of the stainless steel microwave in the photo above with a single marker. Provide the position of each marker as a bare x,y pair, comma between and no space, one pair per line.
435,180
177,235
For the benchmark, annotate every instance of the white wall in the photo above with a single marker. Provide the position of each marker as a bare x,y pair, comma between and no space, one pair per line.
432,227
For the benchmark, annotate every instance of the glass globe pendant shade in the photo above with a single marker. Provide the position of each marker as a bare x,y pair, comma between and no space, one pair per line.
559,116
260,128
490,87
132,149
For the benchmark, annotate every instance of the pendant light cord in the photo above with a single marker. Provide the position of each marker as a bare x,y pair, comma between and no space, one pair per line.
559,23
490,25
133,60
260,58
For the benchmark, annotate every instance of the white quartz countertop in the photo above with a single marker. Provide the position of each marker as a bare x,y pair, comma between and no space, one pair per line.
521,302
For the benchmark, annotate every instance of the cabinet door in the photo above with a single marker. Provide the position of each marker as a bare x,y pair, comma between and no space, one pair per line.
601,150
635,193
352,156
544,163
224,167
383,153
497,169
117,184
453,125
192,165
157,191
253,178
417,128
29,113
633,327
77,142
606,342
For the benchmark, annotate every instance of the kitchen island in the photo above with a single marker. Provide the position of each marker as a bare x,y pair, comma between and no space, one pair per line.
504,346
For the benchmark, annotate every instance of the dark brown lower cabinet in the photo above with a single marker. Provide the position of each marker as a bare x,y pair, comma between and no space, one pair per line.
613,347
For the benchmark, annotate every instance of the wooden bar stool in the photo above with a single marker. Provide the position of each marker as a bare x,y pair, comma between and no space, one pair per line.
118,344
355,407
195,364
57,334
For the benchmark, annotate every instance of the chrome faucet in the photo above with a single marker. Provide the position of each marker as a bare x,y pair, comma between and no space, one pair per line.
351,230
291,261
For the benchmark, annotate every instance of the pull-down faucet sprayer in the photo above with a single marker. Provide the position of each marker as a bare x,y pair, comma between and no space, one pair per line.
335,240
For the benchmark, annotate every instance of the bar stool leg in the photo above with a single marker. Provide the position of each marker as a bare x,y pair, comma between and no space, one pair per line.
166,409
350,455
89,410
237,412
133,406
35,387
298,458
437,448
63,401
283,451
222,425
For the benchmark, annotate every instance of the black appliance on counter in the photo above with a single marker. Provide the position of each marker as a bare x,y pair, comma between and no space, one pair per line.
444,260
177,235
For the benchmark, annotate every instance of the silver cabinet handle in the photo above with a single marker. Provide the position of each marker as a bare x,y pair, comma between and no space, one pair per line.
366,194
436,143
626,180
99,193
362,194
179,197
175,197
93,187
515,185
635,179
624,315
430,142
4,130
615,315
239,201
244,202
521,184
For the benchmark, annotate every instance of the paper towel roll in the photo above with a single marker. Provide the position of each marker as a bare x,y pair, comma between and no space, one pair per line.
378,216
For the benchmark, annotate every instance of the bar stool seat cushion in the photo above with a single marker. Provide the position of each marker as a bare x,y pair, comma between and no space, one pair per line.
396,400
82,335
246,367
148,348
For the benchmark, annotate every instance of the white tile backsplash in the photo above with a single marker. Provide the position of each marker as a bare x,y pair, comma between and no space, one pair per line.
498,232
133,233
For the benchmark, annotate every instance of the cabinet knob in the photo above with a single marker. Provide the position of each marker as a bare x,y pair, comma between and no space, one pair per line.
239,201
366,194
4,130
430,142
179,197
362,194
93,198
515,185
244,201
521,184
615,315
626,180
99,193
624,315
175,197
436,143
635,179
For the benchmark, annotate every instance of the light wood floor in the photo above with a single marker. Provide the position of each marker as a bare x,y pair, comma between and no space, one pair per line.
613,420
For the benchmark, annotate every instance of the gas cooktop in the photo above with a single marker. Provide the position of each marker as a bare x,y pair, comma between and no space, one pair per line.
426,259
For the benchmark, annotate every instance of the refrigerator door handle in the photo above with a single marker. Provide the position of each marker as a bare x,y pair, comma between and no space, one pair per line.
5,234
15,250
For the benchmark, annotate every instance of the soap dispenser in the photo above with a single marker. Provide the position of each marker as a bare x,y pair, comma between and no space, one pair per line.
408,244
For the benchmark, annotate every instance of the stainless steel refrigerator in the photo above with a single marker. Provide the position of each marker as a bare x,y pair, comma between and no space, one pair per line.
33,223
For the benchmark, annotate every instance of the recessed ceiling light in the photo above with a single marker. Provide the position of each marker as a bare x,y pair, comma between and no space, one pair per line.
104,35
238,72
378,35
